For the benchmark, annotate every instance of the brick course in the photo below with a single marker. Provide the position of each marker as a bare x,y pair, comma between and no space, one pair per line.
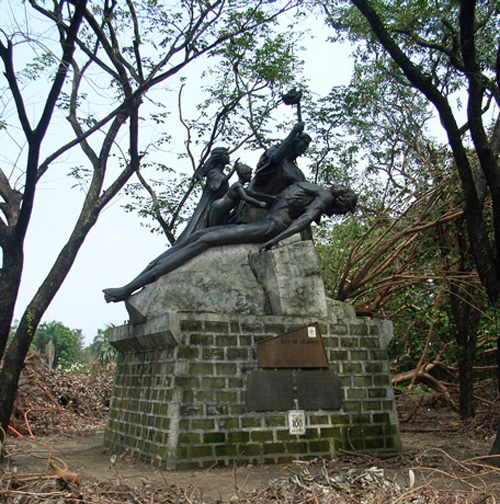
184,406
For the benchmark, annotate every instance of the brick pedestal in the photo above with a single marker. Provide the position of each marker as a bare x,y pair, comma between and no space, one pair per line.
179,398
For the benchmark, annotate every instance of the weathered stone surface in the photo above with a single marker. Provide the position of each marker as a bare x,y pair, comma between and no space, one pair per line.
159,332
219,280
340,310
188,391
292,279
238,279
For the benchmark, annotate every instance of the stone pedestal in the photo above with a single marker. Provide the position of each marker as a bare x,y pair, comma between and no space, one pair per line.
180,395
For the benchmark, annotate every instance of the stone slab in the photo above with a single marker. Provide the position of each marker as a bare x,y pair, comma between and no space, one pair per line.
318,390
238,279
219,280
270,390
158,332
291,278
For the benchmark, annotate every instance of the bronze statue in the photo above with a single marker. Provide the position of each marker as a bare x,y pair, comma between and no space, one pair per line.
277,168
277,203
216,186
222,209
295,208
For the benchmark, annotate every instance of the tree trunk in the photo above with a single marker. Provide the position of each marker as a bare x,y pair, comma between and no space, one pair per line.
495,450
10,279
484,251
12,365
466,308
498,365
16,351
466,377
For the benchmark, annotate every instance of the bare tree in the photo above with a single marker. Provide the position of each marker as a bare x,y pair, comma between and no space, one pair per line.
122,52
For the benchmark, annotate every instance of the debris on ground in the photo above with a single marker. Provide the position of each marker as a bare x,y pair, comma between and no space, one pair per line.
427,477
75,403
57,401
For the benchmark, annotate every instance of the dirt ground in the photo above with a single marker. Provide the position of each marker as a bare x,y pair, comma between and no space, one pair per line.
87,456
442,462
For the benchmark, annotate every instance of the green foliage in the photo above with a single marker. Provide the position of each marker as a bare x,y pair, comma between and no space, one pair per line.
67,343
96,72
239,88
408,238
393,264
169,188
38,66
101,349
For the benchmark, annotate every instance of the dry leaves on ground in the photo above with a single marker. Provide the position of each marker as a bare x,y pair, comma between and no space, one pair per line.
427,477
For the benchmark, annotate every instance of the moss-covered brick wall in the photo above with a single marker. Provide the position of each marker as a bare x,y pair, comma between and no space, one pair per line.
182,404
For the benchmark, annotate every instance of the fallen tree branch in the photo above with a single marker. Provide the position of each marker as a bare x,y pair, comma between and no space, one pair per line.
424,377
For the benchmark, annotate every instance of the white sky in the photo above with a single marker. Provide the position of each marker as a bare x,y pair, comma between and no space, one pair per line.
118,247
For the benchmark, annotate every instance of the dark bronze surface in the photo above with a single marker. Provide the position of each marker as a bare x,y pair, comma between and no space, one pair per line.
292,204
318,390
296,349
270,390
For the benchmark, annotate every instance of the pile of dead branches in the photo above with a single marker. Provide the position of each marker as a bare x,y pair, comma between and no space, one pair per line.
431,477
52,488
431,412
56,401
53,482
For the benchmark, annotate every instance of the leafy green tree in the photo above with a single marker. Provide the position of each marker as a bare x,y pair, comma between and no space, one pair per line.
67,342
442,50
447,52
244,91
100,348
412,265
100,62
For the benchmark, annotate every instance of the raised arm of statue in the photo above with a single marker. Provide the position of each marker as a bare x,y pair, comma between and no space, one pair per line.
286,145
271,160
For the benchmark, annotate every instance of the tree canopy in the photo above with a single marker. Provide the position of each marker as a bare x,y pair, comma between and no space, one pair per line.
95,66
447,52
66,343
414,60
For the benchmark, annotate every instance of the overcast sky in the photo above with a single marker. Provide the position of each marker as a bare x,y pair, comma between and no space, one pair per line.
118,247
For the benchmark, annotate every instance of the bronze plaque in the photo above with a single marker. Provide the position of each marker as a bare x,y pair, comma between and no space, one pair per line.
302,348
270,390
318,390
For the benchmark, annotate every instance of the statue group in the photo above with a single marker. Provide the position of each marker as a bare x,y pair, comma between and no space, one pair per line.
273,204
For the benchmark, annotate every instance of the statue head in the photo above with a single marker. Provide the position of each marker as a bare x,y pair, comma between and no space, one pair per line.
300,144
244,172
218,159
343,201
